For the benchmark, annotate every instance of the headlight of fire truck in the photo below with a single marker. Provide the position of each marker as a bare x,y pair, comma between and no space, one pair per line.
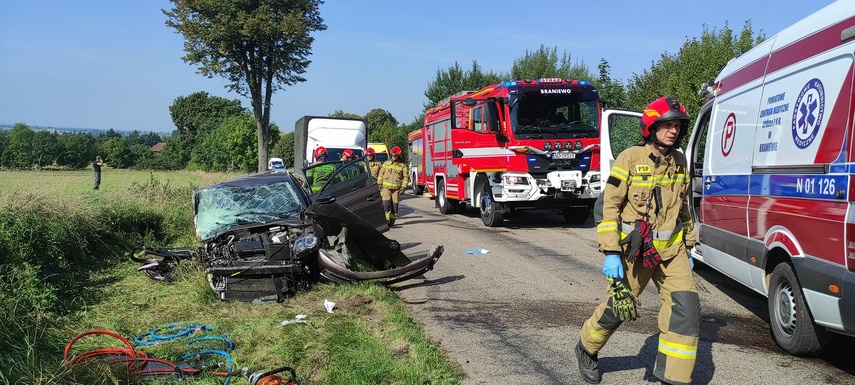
578,145
594,177
558,145
547,146
509,180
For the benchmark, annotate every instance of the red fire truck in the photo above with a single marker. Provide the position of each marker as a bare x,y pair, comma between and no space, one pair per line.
524,144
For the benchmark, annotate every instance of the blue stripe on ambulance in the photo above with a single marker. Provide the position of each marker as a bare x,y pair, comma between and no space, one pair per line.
808,186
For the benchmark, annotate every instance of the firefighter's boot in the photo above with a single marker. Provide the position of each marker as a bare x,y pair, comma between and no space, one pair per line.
390,218
589,368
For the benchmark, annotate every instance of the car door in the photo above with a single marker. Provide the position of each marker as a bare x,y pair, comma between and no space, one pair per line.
355,189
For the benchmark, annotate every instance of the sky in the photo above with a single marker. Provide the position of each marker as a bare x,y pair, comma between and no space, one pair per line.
114,64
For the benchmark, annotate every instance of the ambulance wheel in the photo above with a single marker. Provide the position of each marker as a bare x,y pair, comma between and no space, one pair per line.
445,206
491,212
576,215
792,326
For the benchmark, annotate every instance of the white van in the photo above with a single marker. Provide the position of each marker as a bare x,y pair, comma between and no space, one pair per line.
771,156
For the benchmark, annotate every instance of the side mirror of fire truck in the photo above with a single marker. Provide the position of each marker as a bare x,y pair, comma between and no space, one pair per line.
469,102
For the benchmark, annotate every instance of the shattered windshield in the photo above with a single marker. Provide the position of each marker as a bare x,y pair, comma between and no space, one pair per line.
223,206
538,115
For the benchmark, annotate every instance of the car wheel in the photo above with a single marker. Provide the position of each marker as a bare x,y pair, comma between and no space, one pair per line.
491,213
791,322
417,190
576,215
445,206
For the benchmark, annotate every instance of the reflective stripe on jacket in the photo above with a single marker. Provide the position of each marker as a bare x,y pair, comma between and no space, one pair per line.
375,168
393,175
320,175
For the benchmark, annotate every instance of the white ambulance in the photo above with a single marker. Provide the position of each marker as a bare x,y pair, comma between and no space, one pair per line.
773,166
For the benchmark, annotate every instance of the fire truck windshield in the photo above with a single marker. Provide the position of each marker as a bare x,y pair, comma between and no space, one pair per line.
557,115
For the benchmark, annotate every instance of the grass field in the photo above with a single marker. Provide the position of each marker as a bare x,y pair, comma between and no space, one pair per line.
64,271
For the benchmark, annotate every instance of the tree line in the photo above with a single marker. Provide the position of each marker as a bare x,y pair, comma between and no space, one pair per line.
217,134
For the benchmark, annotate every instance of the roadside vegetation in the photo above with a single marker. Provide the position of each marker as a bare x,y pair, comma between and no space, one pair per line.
64,271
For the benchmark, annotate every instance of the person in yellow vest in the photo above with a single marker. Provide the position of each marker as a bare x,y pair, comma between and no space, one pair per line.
318,176
393,178
373,162
645,232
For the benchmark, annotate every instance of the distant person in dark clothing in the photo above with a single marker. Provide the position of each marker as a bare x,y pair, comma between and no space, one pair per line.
96,165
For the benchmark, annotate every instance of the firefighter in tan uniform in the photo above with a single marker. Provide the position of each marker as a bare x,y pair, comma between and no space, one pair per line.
393,178
373,162
646,194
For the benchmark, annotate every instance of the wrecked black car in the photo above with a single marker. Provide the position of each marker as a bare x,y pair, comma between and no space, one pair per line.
266,237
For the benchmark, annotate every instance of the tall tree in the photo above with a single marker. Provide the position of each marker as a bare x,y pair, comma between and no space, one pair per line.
342,114
611,91
4,146
79,150
231,146
46,148
117,153
454,79
21,146
381,125
196,114
546,63
699,60
284,148
259,46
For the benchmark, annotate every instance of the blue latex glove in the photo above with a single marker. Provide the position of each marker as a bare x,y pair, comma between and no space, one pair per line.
692,263
612,266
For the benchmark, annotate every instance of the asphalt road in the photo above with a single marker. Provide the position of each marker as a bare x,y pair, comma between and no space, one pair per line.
512,316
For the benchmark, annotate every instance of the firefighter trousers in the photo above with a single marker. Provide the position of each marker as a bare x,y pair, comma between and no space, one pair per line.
679,317
390,199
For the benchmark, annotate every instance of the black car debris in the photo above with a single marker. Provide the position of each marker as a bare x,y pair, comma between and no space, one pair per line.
266,237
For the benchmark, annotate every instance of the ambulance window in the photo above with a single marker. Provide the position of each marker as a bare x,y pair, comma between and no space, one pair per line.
624,132
700,147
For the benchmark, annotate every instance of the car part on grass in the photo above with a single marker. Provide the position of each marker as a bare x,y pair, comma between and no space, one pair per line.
158,263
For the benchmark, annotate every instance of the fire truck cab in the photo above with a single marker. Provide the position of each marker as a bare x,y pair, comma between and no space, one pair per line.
524,144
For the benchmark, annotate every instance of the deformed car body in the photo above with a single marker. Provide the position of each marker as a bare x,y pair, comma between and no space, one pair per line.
266,238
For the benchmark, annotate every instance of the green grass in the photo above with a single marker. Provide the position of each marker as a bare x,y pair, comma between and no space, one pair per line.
64,271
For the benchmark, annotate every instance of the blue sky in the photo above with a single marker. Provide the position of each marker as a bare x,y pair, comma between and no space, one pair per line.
114,64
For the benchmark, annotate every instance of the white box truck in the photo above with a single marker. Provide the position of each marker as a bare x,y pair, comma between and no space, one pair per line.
336,134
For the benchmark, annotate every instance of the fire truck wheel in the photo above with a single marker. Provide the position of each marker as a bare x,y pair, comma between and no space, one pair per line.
792,326
491,212
417,190
445,206
576,215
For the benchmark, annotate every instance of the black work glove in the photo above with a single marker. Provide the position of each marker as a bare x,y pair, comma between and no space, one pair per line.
633,239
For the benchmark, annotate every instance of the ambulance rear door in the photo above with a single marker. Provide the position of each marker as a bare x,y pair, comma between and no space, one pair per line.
621,129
